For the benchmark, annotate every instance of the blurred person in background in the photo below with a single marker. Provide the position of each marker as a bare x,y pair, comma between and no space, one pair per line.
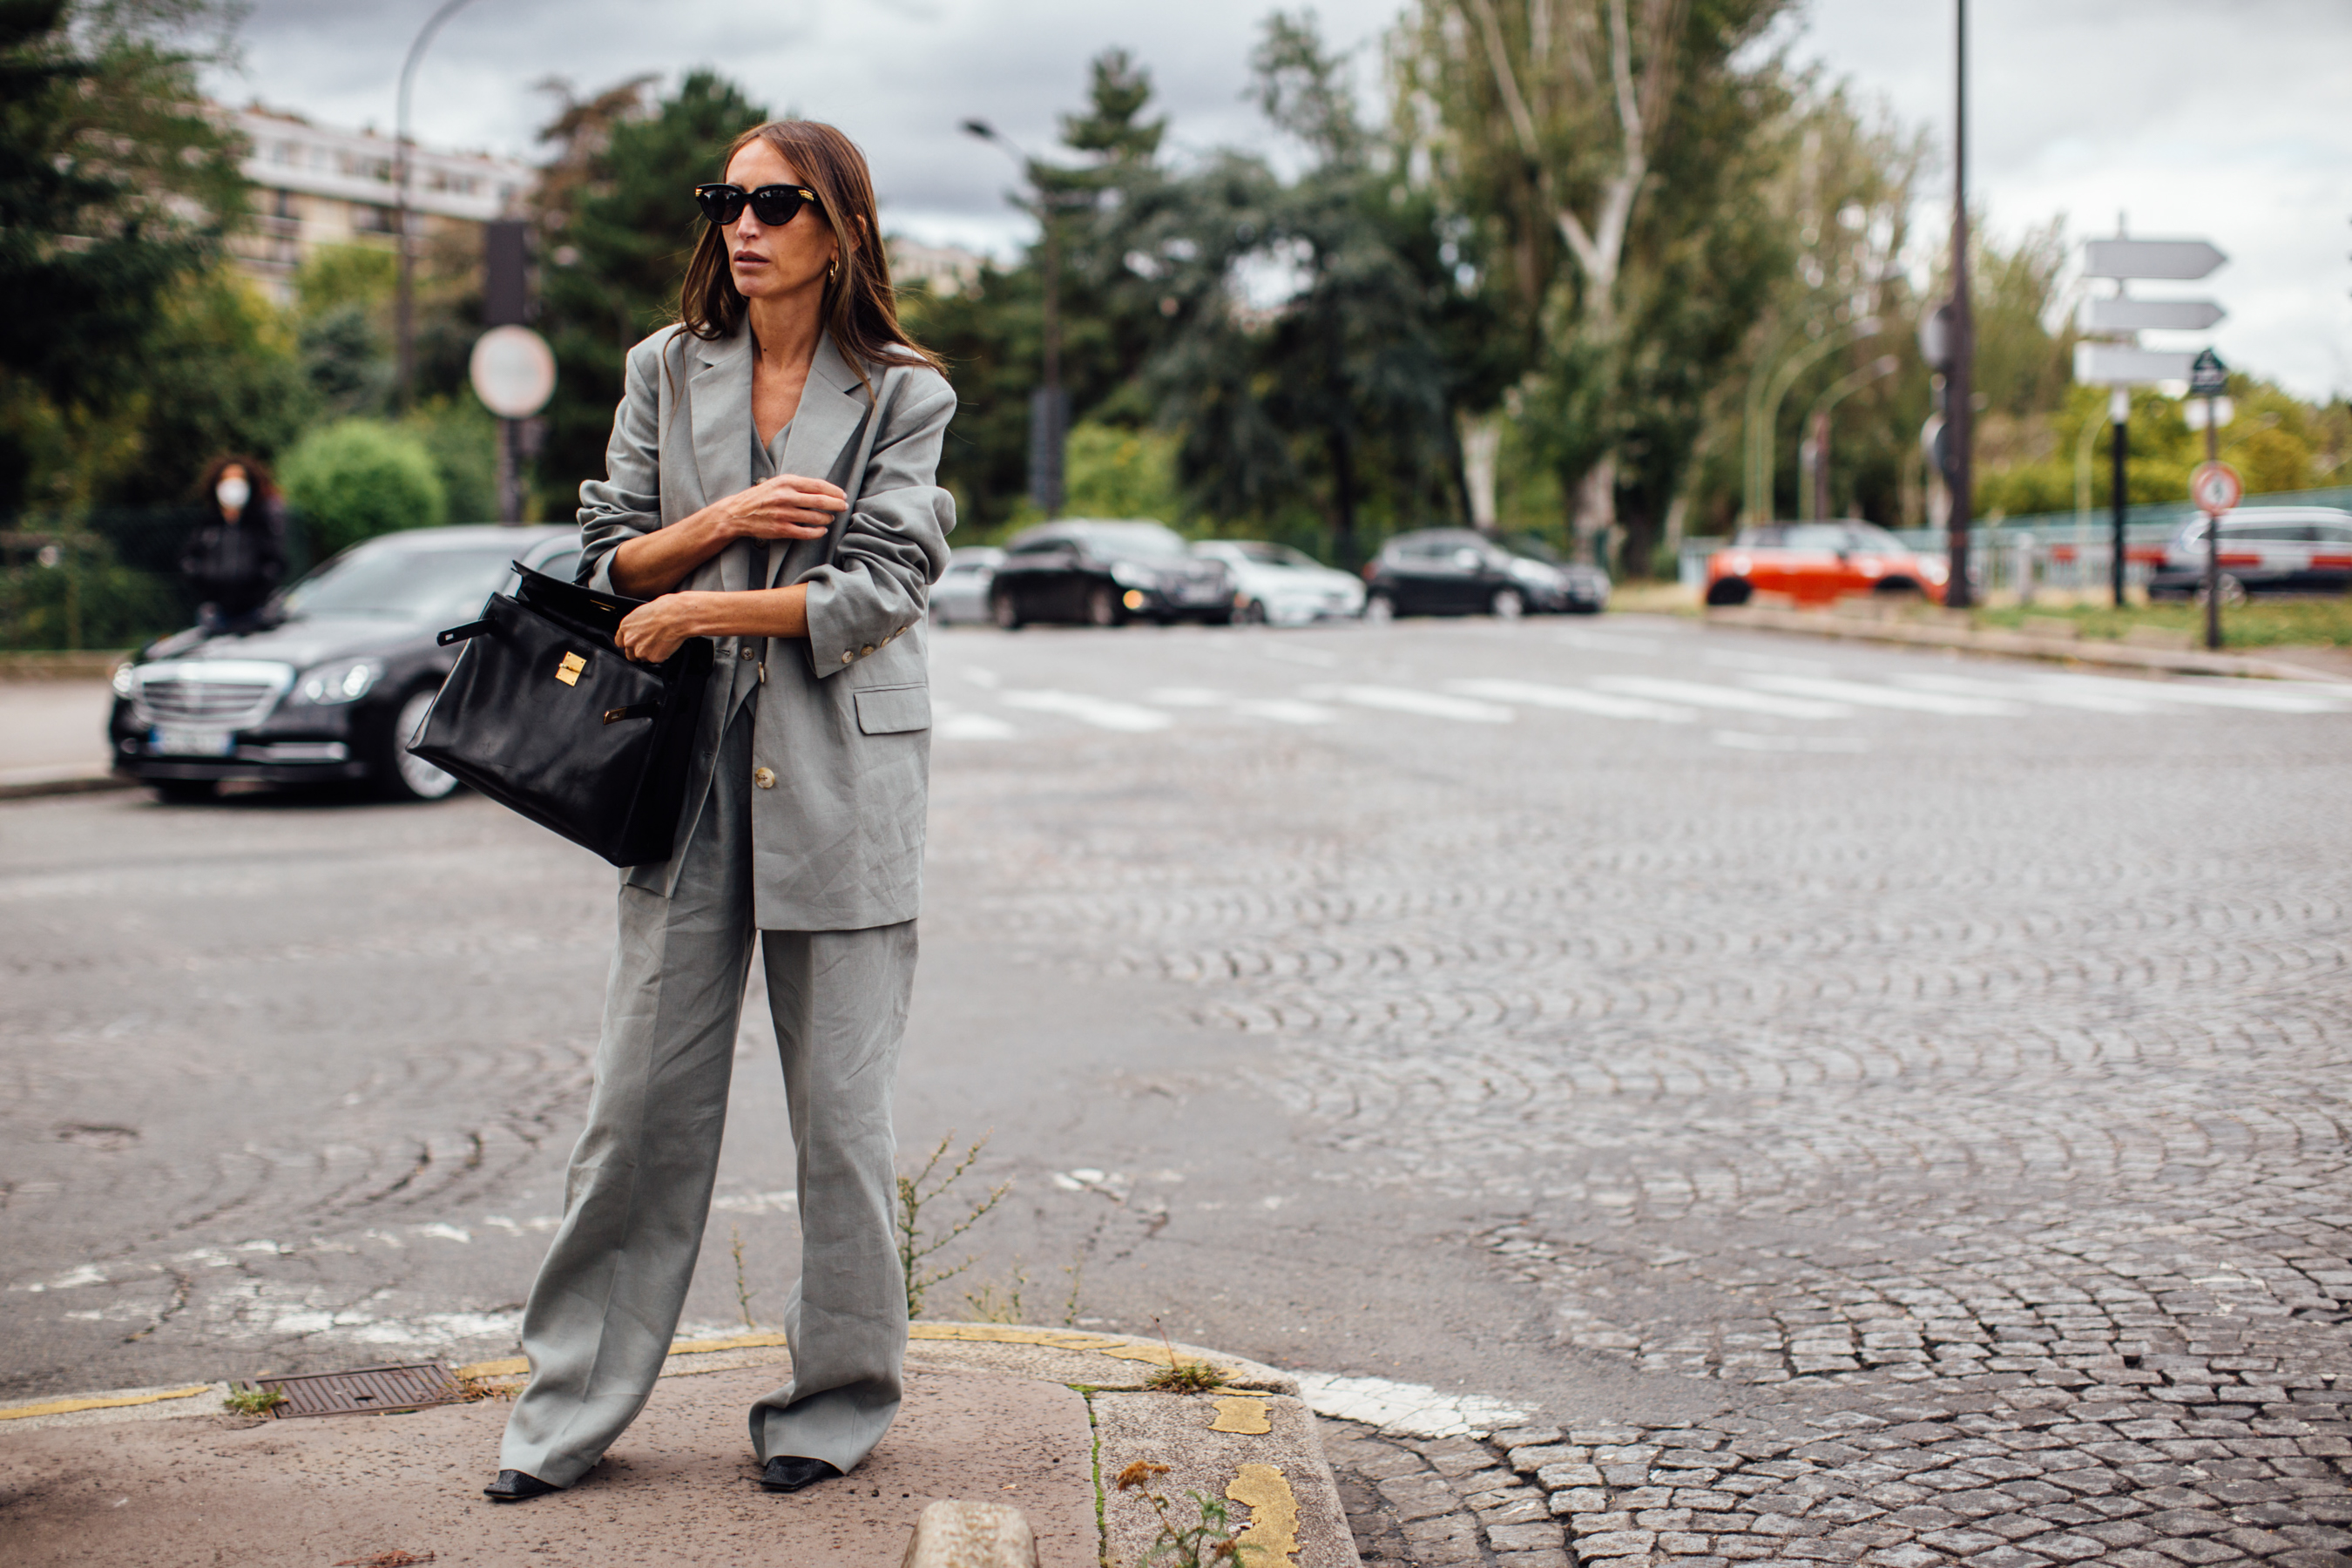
236,557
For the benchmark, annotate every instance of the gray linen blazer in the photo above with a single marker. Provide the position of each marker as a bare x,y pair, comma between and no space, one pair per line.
844,720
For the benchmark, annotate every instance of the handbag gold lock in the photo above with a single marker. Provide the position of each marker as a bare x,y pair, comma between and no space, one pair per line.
568,670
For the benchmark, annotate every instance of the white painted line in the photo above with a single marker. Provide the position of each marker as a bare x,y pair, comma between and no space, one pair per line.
1724,658
1188,697
2209,692
2087,701
1406,1409
1740,741
1285,710
1404,699
1699,694
1536,694
1099,711
1863,695
979,677
974,727
1314,656
1606,642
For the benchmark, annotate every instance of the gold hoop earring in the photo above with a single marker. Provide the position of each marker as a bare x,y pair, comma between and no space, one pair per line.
832,270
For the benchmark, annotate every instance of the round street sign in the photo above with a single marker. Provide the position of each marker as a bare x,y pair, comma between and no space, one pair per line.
2215,487
513,372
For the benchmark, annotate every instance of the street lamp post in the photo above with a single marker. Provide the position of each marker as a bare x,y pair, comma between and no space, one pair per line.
1959,412
1048,411
406,310
1768,405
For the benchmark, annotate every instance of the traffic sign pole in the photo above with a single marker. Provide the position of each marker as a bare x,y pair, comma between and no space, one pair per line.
2214,486
2120,411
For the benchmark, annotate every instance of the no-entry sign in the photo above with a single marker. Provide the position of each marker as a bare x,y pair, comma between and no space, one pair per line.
2215,488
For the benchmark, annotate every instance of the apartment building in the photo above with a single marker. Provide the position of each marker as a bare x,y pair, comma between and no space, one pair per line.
315,185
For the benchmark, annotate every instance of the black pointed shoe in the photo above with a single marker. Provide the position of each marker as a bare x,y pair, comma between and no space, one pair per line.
513,1486
790,1473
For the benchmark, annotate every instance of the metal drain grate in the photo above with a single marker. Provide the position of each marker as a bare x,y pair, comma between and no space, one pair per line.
368,1391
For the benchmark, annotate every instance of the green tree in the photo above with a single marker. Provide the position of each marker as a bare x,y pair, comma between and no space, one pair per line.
114,186
614,233
361,478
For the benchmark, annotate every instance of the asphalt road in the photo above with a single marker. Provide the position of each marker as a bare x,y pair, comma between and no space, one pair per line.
1841,1069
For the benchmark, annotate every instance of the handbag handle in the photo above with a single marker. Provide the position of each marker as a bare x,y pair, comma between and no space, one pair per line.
460,634
635,710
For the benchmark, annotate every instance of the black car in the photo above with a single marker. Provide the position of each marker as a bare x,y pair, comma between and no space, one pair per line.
1460,572
1105,574
338,674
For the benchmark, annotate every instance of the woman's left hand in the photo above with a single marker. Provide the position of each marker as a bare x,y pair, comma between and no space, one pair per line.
653,632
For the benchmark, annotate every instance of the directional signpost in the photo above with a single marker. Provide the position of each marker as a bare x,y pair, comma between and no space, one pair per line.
2124,365
2213,485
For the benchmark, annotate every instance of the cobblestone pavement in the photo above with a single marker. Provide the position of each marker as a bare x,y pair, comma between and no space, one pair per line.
1860,1106
1959,1093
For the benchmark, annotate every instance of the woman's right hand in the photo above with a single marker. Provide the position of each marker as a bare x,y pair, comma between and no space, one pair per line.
787,506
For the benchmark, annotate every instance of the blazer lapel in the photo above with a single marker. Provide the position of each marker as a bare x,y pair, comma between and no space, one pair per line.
831,411
719,398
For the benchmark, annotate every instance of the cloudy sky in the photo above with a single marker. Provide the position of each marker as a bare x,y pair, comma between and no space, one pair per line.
2223,119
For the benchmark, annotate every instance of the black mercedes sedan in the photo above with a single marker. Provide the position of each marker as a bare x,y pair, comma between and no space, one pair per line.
1105,573
337,674
1458,571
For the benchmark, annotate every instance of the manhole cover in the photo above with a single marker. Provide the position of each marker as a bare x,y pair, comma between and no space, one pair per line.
369,1390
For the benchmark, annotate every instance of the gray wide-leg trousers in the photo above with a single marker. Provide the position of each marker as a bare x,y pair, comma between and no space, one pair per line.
606,1303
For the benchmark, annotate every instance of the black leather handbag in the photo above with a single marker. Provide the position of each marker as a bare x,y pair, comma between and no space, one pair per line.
545,716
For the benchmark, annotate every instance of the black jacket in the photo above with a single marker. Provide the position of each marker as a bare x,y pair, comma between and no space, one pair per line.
237,565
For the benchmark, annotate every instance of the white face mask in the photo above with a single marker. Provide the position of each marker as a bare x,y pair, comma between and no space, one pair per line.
233,493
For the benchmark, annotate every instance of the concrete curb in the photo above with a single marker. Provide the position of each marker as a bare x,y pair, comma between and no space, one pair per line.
72,784
1248,1444
2020,645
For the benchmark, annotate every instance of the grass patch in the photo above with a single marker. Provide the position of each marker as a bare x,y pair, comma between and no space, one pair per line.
1185,1377
2264,622
253,1400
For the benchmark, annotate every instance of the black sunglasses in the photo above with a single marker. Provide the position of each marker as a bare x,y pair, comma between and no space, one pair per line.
774,206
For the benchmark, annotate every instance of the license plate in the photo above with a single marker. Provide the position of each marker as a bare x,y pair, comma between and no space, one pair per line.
192,740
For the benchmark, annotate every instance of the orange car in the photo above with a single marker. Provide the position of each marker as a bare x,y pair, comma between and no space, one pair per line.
1816,562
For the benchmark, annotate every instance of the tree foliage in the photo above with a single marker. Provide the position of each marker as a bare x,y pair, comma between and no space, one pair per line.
361,478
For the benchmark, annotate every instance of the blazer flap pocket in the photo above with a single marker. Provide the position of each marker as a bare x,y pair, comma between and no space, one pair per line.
894,710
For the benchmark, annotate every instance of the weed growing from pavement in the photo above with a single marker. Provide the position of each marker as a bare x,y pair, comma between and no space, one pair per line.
254,1400
990,1304
918,1245
743,1292
1209,1540
1181,1376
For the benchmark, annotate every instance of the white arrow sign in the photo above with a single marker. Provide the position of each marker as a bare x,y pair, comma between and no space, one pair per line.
2181,259
2150,315
2120,365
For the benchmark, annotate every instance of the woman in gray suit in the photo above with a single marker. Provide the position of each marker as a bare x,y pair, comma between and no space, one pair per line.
771,485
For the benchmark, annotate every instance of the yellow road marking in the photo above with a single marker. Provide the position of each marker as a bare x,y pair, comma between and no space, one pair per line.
111,1402
1274,1511
1245,1416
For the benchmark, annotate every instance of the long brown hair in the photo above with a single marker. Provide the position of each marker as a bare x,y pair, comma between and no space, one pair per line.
860,308
256,475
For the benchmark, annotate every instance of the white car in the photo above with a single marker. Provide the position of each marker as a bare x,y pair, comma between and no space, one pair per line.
1275,584
962,592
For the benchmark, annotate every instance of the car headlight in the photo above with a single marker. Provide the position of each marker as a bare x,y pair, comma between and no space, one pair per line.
126,681
345,681
1127,575
1933,570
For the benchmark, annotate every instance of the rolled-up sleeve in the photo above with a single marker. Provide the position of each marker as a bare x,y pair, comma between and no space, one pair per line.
894,545
626,501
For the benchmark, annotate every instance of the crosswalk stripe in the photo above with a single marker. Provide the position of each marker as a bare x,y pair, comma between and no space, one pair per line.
1867,696
1099,711
2220,693
1699,694
1404,699
1534,694
2087,701
973,727
1287,711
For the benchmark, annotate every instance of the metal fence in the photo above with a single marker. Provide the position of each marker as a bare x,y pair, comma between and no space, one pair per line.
2057,551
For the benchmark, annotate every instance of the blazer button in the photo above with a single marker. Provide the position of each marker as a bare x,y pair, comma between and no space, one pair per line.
764,777
847,656
866,650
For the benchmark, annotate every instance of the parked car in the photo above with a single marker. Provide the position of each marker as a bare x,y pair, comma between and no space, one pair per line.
1460,572
1817,562
962,592
336,678
2265,550
1275,584
1105,574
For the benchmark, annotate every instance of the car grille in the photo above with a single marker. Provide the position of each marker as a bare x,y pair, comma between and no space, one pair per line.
219,693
